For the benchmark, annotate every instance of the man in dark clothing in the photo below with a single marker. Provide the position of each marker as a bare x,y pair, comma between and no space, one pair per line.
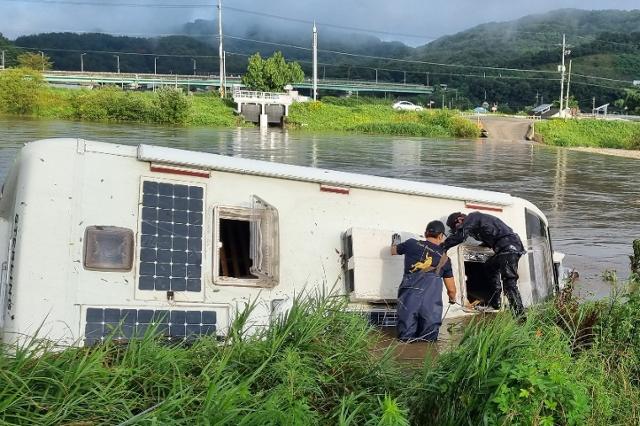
505,243
426,266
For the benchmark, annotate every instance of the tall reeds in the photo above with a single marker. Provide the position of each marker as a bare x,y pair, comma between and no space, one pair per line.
568,364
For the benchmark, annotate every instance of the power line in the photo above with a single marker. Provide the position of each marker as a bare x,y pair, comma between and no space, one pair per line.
603,78
384,58
116,4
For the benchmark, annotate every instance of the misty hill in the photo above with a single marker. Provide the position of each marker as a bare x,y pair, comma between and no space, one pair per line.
603,43
500,42
199,42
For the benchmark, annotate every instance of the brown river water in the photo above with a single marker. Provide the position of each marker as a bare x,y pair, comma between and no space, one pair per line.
592,201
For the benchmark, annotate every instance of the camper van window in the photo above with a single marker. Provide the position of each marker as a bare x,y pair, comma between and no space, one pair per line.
247,246
108,248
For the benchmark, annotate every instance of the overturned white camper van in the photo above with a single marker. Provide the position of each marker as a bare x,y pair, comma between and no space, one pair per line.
101,236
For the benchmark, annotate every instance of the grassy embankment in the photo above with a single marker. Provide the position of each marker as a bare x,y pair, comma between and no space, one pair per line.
589,133
375,116
31,96
569,364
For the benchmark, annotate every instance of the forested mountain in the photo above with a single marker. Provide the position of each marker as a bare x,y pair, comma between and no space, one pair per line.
475,62
602,43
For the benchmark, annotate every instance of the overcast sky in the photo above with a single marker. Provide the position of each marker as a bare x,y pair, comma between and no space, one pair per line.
426,18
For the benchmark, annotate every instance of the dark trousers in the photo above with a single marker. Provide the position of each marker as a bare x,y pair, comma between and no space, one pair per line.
504,266
420,307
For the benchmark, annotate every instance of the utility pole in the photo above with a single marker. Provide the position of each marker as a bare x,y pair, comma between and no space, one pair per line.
565,52
593,111
117,63
155,65
537,97
568,84
220,53
2,67
42,57
82,62
194,66
376,75
443,101
405,77
427,78
315,61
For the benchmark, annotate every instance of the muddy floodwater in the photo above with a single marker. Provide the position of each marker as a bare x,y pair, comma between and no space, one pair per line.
592,200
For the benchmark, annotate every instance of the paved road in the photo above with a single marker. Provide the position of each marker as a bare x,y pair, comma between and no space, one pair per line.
506,128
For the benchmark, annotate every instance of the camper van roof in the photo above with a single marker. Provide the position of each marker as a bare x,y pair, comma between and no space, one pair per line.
209,161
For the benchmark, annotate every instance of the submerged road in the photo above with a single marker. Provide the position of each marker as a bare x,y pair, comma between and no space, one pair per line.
506,128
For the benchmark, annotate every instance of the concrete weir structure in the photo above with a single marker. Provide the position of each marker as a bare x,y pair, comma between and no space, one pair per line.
265,107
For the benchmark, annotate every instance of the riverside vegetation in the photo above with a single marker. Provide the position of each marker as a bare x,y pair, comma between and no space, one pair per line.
568,364
24,92
589,133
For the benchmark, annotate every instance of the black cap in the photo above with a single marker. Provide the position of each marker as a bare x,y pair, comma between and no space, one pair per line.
451,220
435,227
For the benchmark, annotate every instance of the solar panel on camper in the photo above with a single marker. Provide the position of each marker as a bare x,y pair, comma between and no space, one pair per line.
132,323
171,237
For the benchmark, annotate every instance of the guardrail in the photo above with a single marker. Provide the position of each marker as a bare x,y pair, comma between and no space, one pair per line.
252,94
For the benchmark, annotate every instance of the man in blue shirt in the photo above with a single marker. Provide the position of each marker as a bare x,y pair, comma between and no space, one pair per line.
426,267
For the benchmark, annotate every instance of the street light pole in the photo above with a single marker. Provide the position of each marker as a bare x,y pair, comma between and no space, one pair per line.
117,63
566,104
82,62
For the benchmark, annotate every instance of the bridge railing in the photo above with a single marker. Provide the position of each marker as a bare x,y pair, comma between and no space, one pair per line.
254,94
498,114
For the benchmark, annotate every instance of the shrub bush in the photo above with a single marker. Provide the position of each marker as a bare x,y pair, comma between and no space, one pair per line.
20,90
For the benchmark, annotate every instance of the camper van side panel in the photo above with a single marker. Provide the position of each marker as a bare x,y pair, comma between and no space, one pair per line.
44,198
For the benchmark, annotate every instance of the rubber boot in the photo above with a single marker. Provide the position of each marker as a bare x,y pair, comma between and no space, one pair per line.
515,302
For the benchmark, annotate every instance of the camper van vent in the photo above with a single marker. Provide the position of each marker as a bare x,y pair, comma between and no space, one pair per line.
171,237
126,324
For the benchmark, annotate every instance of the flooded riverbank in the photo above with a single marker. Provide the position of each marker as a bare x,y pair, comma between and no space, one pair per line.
588,198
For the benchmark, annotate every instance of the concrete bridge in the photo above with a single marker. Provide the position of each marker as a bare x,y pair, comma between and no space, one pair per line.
158,80
263,107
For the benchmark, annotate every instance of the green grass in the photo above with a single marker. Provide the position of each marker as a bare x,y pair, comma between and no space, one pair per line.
568,364
317,365
211,110
378,117
590,133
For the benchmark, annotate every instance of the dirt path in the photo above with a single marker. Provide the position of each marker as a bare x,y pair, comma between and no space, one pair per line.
506,128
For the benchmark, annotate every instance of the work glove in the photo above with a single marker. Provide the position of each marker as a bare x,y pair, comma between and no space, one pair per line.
396,239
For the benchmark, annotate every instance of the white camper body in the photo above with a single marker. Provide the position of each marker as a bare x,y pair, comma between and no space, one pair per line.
98,235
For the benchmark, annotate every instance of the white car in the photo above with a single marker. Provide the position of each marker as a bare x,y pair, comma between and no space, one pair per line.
406,106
